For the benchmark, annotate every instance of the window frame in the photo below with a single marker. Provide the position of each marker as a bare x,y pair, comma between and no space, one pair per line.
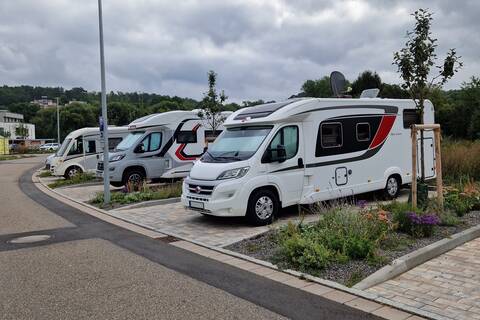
417,117
110,148
369,132
149,137
321,134
282,138
88,146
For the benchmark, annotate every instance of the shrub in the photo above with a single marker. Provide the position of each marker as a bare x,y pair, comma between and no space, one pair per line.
304,253
400,211
422,225
77,179
448,218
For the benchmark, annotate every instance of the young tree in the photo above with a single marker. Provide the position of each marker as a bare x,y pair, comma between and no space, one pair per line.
319,88
414,63
212,104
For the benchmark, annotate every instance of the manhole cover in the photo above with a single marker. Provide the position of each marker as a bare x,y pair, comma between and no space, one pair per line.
31,239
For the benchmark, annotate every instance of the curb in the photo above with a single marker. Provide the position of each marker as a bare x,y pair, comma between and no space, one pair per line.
149,203
413,259
327,283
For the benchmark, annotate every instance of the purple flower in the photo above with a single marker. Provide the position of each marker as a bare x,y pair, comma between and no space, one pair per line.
430,219
414,218
362,204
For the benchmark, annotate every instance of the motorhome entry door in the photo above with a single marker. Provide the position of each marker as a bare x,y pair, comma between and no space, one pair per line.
341,176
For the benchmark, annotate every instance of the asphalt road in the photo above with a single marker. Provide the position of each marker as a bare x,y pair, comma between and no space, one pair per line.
90,269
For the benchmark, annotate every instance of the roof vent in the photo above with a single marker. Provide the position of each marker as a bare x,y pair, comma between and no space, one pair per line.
370,93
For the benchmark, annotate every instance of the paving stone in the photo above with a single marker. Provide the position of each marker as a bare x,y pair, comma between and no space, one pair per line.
364,304
279,276
339,296
391,314
317,289
297,283
262,271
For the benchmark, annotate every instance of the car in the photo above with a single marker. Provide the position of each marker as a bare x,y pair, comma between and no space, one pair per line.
48,161
49,146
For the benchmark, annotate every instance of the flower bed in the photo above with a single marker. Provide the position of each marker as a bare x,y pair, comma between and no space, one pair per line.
349,243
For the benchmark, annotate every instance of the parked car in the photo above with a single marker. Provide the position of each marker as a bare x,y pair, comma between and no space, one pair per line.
13,146
306,150
49,146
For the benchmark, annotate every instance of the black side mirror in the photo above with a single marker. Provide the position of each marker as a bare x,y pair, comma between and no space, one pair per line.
281,153
139,149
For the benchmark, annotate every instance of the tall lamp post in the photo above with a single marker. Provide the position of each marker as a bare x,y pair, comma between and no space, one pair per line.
58,121
106,171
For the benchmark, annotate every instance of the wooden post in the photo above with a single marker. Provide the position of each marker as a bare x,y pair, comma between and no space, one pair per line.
438,165
414,166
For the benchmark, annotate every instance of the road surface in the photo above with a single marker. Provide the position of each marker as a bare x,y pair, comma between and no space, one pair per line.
90,269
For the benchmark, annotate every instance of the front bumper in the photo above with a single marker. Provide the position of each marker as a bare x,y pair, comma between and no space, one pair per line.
221,198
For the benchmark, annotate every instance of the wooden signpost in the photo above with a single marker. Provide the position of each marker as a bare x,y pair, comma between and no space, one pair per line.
438,161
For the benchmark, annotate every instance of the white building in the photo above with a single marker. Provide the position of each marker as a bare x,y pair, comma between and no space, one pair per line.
9,122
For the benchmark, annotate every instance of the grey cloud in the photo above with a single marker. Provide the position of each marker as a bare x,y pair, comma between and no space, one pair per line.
260,49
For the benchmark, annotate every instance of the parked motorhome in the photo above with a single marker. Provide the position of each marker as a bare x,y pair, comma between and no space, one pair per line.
160,146
81,149
303,151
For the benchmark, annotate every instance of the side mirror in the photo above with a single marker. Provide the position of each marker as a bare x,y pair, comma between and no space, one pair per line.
281,153
139,149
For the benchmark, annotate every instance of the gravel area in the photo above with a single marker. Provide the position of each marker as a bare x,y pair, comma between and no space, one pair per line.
265,247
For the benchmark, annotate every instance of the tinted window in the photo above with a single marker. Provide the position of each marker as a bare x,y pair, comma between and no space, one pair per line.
113,143
331,135
77,147
287,137
90,148
187,137
152,142
363,131
410,116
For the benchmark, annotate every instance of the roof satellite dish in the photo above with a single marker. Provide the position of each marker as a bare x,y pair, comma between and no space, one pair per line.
338,83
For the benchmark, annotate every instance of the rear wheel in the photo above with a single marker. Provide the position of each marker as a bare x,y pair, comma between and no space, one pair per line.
263,205
392,188
72,172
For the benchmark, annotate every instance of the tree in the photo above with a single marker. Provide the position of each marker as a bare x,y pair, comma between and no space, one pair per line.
319,88
21,131
366,80
414,63
212,104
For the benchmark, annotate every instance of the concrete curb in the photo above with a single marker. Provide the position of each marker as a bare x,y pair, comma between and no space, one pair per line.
149,203
413,259
334,285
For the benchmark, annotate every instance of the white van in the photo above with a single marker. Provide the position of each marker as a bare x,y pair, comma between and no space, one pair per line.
306,150
81,150
160,146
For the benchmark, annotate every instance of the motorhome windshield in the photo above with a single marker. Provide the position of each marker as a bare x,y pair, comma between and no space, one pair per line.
129,141
236,144
63,147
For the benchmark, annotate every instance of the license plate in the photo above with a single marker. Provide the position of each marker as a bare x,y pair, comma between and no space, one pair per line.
196,204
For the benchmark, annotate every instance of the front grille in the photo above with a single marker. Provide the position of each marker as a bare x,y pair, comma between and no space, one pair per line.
199,189
100,166
197,199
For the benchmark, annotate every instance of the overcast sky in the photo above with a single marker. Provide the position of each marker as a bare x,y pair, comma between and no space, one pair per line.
260,49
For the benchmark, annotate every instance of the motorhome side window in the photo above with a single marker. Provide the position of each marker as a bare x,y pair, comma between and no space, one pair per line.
363,131
187,137
331,135
152,142
77,146
410,116
90,146
113,143
287,137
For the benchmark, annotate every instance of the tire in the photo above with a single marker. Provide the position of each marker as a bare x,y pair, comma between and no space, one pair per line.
392,187
263,206
133,175
116,184
71,172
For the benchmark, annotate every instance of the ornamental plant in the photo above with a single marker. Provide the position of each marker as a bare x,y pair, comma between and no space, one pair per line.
422,225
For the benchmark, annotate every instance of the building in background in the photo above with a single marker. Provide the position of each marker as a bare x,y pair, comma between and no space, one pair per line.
44,102
13,127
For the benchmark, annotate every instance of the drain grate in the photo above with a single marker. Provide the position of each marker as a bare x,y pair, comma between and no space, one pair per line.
30,239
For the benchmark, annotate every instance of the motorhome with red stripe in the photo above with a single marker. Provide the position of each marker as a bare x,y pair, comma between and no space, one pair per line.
306,150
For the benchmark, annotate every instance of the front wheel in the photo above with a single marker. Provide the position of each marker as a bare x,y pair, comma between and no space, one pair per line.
135,177
392,188
72,172
263,206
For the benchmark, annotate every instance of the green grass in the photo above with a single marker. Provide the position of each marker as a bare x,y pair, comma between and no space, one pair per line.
14,157
45,173
78,179
146,193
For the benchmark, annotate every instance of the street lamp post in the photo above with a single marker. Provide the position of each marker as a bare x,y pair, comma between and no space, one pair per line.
58,121
106,171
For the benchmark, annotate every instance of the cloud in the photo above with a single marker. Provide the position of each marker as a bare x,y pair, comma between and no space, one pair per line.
260,49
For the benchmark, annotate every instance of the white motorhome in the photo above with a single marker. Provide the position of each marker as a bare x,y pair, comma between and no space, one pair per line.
81,150
306,150
160,146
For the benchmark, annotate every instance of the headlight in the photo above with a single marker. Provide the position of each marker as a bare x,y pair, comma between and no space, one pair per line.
117,157
233,173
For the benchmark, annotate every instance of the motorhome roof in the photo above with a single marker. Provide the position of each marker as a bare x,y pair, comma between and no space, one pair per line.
164,118
89,130
277,112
